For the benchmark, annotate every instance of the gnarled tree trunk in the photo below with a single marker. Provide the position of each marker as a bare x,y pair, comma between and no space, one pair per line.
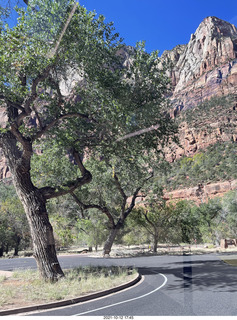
34,204
42,234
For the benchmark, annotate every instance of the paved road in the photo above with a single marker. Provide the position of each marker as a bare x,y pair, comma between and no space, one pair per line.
187,285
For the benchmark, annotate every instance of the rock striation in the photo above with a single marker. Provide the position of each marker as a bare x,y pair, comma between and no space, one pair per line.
207,127
206,66
202,193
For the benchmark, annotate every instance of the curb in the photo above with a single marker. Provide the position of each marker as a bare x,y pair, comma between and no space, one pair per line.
64,303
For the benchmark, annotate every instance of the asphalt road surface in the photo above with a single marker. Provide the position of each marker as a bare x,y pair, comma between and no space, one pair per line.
188,285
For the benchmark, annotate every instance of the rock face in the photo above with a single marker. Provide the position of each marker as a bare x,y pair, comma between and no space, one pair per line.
202,193
206,66
218,124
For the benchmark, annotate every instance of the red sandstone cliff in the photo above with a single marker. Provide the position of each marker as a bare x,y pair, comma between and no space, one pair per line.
204,68
202,193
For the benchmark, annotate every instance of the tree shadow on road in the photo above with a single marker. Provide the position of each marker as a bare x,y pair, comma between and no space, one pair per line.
201,275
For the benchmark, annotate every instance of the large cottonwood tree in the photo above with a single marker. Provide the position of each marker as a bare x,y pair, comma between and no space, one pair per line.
80,91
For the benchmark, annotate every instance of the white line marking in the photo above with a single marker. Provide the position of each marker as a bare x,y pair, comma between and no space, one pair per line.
140,297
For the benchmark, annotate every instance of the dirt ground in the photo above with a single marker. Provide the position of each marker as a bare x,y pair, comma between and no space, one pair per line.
131,251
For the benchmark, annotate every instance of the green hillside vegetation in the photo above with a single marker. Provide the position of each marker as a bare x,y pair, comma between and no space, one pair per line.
217,163
217,109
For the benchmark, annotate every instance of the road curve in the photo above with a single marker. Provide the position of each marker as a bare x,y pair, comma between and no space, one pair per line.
187,285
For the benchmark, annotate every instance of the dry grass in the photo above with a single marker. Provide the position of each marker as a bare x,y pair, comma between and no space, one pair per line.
26,287
232,262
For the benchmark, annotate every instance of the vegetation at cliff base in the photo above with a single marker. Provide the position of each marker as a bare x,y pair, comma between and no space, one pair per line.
218,162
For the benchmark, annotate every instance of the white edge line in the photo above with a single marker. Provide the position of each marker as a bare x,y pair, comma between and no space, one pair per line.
115,304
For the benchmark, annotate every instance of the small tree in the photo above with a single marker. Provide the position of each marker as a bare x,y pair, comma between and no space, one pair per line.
156,217
91,230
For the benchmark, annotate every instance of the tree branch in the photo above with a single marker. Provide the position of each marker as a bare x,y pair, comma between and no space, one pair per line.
147,219
26,144
135,195
50,192
55,121
117,182
31,98
94,206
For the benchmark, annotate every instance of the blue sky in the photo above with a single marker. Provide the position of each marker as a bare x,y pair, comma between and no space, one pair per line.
163,24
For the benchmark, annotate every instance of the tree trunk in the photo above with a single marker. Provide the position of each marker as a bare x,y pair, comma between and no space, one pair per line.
155,242
110,240
17,243
35,208
42,234
1,250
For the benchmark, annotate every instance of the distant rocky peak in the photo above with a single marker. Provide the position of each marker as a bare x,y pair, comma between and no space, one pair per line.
213,44
216,28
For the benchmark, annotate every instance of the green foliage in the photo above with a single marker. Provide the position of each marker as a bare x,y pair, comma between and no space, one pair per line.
73,227
209,109
92,232
14,230
217,163
169,223
51,166
110,102
218,218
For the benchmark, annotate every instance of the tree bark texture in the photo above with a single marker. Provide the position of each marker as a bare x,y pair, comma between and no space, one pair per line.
34,204
110,240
